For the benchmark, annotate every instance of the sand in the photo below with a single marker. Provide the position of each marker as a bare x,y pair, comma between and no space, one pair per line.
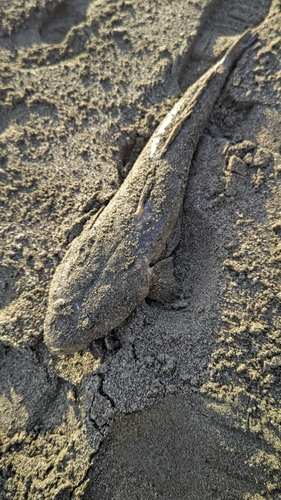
181,401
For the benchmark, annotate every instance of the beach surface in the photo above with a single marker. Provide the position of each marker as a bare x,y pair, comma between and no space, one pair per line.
182,401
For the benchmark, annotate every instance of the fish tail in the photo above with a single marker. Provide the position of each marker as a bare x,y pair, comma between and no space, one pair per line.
233,53
250,39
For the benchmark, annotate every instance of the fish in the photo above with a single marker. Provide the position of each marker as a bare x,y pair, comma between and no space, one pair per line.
118,259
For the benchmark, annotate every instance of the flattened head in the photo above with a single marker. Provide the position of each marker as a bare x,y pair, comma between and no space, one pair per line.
72,323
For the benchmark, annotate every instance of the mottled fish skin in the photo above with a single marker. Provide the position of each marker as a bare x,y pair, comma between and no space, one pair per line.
107,270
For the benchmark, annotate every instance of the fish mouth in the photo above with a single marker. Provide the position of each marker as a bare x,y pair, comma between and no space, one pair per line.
63,339
66,335
60,329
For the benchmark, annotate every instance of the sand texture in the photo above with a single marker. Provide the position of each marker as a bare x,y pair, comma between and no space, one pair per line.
183,400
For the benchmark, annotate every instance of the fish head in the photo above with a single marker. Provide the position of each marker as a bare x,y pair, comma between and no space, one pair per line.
98,306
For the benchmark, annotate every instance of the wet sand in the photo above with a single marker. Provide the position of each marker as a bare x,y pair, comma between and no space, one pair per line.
179,402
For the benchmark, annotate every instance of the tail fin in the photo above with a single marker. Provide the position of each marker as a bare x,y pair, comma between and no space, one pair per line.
233,53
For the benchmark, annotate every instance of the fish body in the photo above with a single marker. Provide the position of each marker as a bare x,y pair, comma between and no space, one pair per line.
108,269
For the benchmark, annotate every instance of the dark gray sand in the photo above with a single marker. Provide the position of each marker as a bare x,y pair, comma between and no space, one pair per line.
180,402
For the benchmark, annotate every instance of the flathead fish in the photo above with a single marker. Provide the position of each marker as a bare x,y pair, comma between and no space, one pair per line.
111,267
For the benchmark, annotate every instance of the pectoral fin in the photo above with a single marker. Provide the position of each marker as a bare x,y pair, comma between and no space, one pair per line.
163,285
